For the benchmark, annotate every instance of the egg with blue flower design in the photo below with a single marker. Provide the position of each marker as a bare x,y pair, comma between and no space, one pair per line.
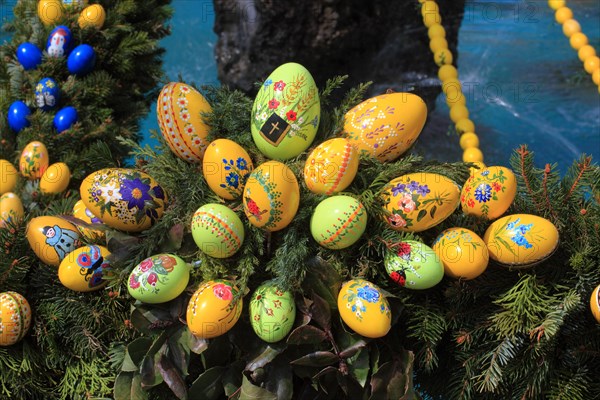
364,308
84,269
226,167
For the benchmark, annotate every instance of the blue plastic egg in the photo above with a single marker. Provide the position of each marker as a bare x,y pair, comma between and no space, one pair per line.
59,42
81,60
47,94
65,118
17,116
29,55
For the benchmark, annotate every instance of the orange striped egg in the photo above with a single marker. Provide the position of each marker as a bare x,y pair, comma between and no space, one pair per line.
331,167
15,318
217,230
338,222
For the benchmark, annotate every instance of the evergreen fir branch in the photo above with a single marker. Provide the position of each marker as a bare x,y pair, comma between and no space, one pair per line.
570,385
330,86
495,361
580,175
427,325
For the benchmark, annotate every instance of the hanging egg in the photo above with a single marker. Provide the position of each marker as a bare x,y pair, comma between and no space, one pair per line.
8,177
65,118
74,4
18,114
52,238
272,312
489,192
595,303
55,179
59,42
179,109
338,222
286,112
82,60
419,201
364,308
84,269
29,55
11,209
47,94
463,253
226,167
331,167
385,126
414,265
34,160
15,318
81,212
521,240
217,230
159,279
124,199
93,15
50,11
212,310
271,196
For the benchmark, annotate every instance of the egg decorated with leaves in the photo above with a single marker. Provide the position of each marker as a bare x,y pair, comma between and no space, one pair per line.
419,201
331,167
55,179
521,240
414,265
11,209
52,238
286,112
489,192
84,269
338,222
217,230
124,199
15,318
8,177
34,160
226,167
80,211
158,279
364,308
272,312
463,253
213,310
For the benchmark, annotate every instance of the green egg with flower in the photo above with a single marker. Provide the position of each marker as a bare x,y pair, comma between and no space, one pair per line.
272,312
158,279
414,265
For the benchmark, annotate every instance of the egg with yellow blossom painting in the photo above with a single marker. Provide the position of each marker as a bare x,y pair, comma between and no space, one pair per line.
331,167
15,318
34,160
364,308
488,192
84,269
226,167
52,238
463,253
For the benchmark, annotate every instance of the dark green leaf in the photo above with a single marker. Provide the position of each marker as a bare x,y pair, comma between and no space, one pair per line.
193,343
325,371
208,385
279,379
172,377
122,389
353,349
140,322
306,334
136,351
252,392
421,215
148,374
321,312
217,352
232,379
392,381
317,359
359,366
324,280
137,392
178,355
266,356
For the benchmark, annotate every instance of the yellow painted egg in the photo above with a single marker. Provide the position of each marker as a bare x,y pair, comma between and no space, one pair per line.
271,196
159,279
50,11
11,209
364,308
419,201
179,109
385,126
84,269
463,253
124,199
8,177
286,112
93,15
15,318
81,212
226,167
55,179
489,192
34,160
52,238
595,303
521,240
331,166
212,310
217,230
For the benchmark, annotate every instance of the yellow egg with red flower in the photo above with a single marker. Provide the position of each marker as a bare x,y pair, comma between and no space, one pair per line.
489,192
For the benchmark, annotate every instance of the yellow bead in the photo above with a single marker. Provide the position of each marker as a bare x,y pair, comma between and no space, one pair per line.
596,76
429,7
436,30
446,72
432,18
464,125
468,140
442,57
458,112
451,85
570,27
438,43
454,98
472,154
556,4
563,14
578,40
585,52
591,63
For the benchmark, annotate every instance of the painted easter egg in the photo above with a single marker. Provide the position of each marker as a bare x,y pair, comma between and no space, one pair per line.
50,11
124,199
55,179
8,177
272,312
521,240
81,212
416,202
489,192
159,279
179,109
271,196
83,269
82,60
212,310
47,94
18,116
414,265
385,126
11,209
217,230
65,118
52,238
595,303
15,318
331,167
338,222
34,160
463,253
286,112
226,167
364,308
29,55
59,42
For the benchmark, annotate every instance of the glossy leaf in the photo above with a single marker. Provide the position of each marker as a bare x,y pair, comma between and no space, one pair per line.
321,312
353,349
252,392
208,385
149,377
324,280
306,334
393,380
122,388
317,359
359,366
135,352
266,356
137,392
279,379
172,377
232,378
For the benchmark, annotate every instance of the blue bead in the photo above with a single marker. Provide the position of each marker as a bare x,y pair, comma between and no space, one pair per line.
65,119
17,116
81,60
47,94
29,55
59,42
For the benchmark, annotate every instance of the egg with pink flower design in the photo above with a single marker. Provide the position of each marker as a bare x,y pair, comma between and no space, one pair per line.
158,279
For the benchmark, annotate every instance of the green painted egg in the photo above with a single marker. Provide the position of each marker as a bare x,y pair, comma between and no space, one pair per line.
217,230
414,265
338,222
272,312
158,279
286,112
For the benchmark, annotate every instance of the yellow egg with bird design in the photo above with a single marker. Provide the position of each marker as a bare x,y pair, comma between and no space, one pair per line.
34,160
159,279
80,211
331,167
463,253
55,179
226,167
11,209
15,318
385,126
364,308
8,177
52,238
419,201
84,269
272,312
488,192
217,230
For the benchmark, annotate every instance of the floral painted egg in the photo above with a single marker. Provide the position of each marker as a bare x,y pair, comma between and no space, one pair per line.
179,109
159,279
331,167
271,196
83,269
226,167
272,312
338,222
489,192
93,15
463,253
416,202
595,303
52,238
81,212
521,240
59,42
34,160
15,318
364,308
55,179
8,177
414,265
217,230
11,209
124,199
385,126
286,112
212,310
